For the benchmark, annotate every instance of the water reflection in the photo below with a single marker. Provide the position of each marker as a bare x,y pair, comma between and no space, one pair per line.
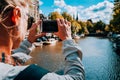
49,56
99,59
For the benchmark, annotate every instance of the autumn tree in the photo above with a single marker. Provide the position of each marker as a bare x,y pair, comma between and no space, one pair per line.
67,16
90,26
110,28
84,27
115,22
55,15
75,26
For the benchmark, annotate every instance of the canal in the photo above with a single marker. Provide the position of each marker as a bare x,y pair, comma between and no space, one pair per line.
99,59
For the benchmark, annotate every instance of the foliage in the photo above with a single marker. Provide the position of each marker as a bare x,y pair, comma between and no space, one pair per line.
67,16
78,26
115,22
100,26
107,28
75,26
90,26
55,15
84,27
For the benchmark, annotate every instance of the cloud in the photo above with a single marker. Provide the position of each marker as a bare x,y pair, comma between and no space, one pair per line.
68,8
58,10
101,11
40,3
71,9
59,3
40,11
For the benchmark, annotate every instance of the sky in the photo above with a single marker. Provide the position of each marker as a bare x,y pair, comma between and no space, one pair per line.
85,9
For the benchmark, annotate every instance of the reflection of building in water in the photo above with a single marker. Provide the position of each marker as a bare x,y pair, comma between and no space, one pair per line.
34,9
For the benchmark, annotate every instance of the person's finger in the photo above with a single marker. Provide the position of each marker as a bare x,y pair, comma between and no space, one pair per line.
69,24
59,22
40,35
59,25
62,21
56,33
66,22
35,25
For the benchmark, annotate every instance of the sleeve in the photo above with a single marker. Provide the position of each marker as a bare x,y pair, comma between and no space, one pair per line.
25,47
73,57
74,69
22,53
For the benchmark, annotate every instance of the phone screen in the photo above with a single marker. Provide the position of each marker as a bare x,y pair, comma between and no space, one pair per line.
49,26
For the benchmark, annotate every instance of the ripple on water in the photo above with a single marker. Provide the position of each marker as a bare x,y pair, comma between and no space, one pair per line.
99,59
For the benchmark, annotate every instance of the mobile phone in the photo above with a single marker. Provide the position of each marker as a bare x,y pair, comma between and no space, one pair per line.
49,26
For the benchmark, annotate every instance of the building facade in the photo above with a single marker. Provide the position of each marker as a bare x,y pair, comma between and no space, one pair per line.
34,9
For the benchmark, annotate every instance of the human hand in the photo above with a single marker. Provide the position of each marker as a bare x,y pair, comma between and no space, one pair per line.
64,29
34,32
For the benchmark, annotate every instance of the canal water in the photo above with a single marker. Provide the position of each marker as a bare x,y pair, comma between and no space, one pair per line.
99,59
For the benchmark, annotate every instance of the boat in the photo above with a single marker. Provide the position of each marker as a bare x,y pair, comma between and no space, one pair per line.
37,44
76,37
49,41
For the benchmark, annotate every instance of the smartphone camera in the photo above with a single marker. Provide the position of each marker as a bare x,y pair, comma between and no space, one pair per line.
49,26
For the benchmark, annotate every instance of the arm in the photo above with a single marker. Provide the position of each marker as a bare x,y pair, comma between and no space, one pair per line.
73,64
74,69
22,53
25,47
72,52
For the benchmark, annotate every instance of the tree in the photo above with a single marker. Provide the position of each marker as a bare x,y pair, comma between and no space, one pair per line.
107,28
115,22
55,15
84,27
90,26
67,16
75,26
100,26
